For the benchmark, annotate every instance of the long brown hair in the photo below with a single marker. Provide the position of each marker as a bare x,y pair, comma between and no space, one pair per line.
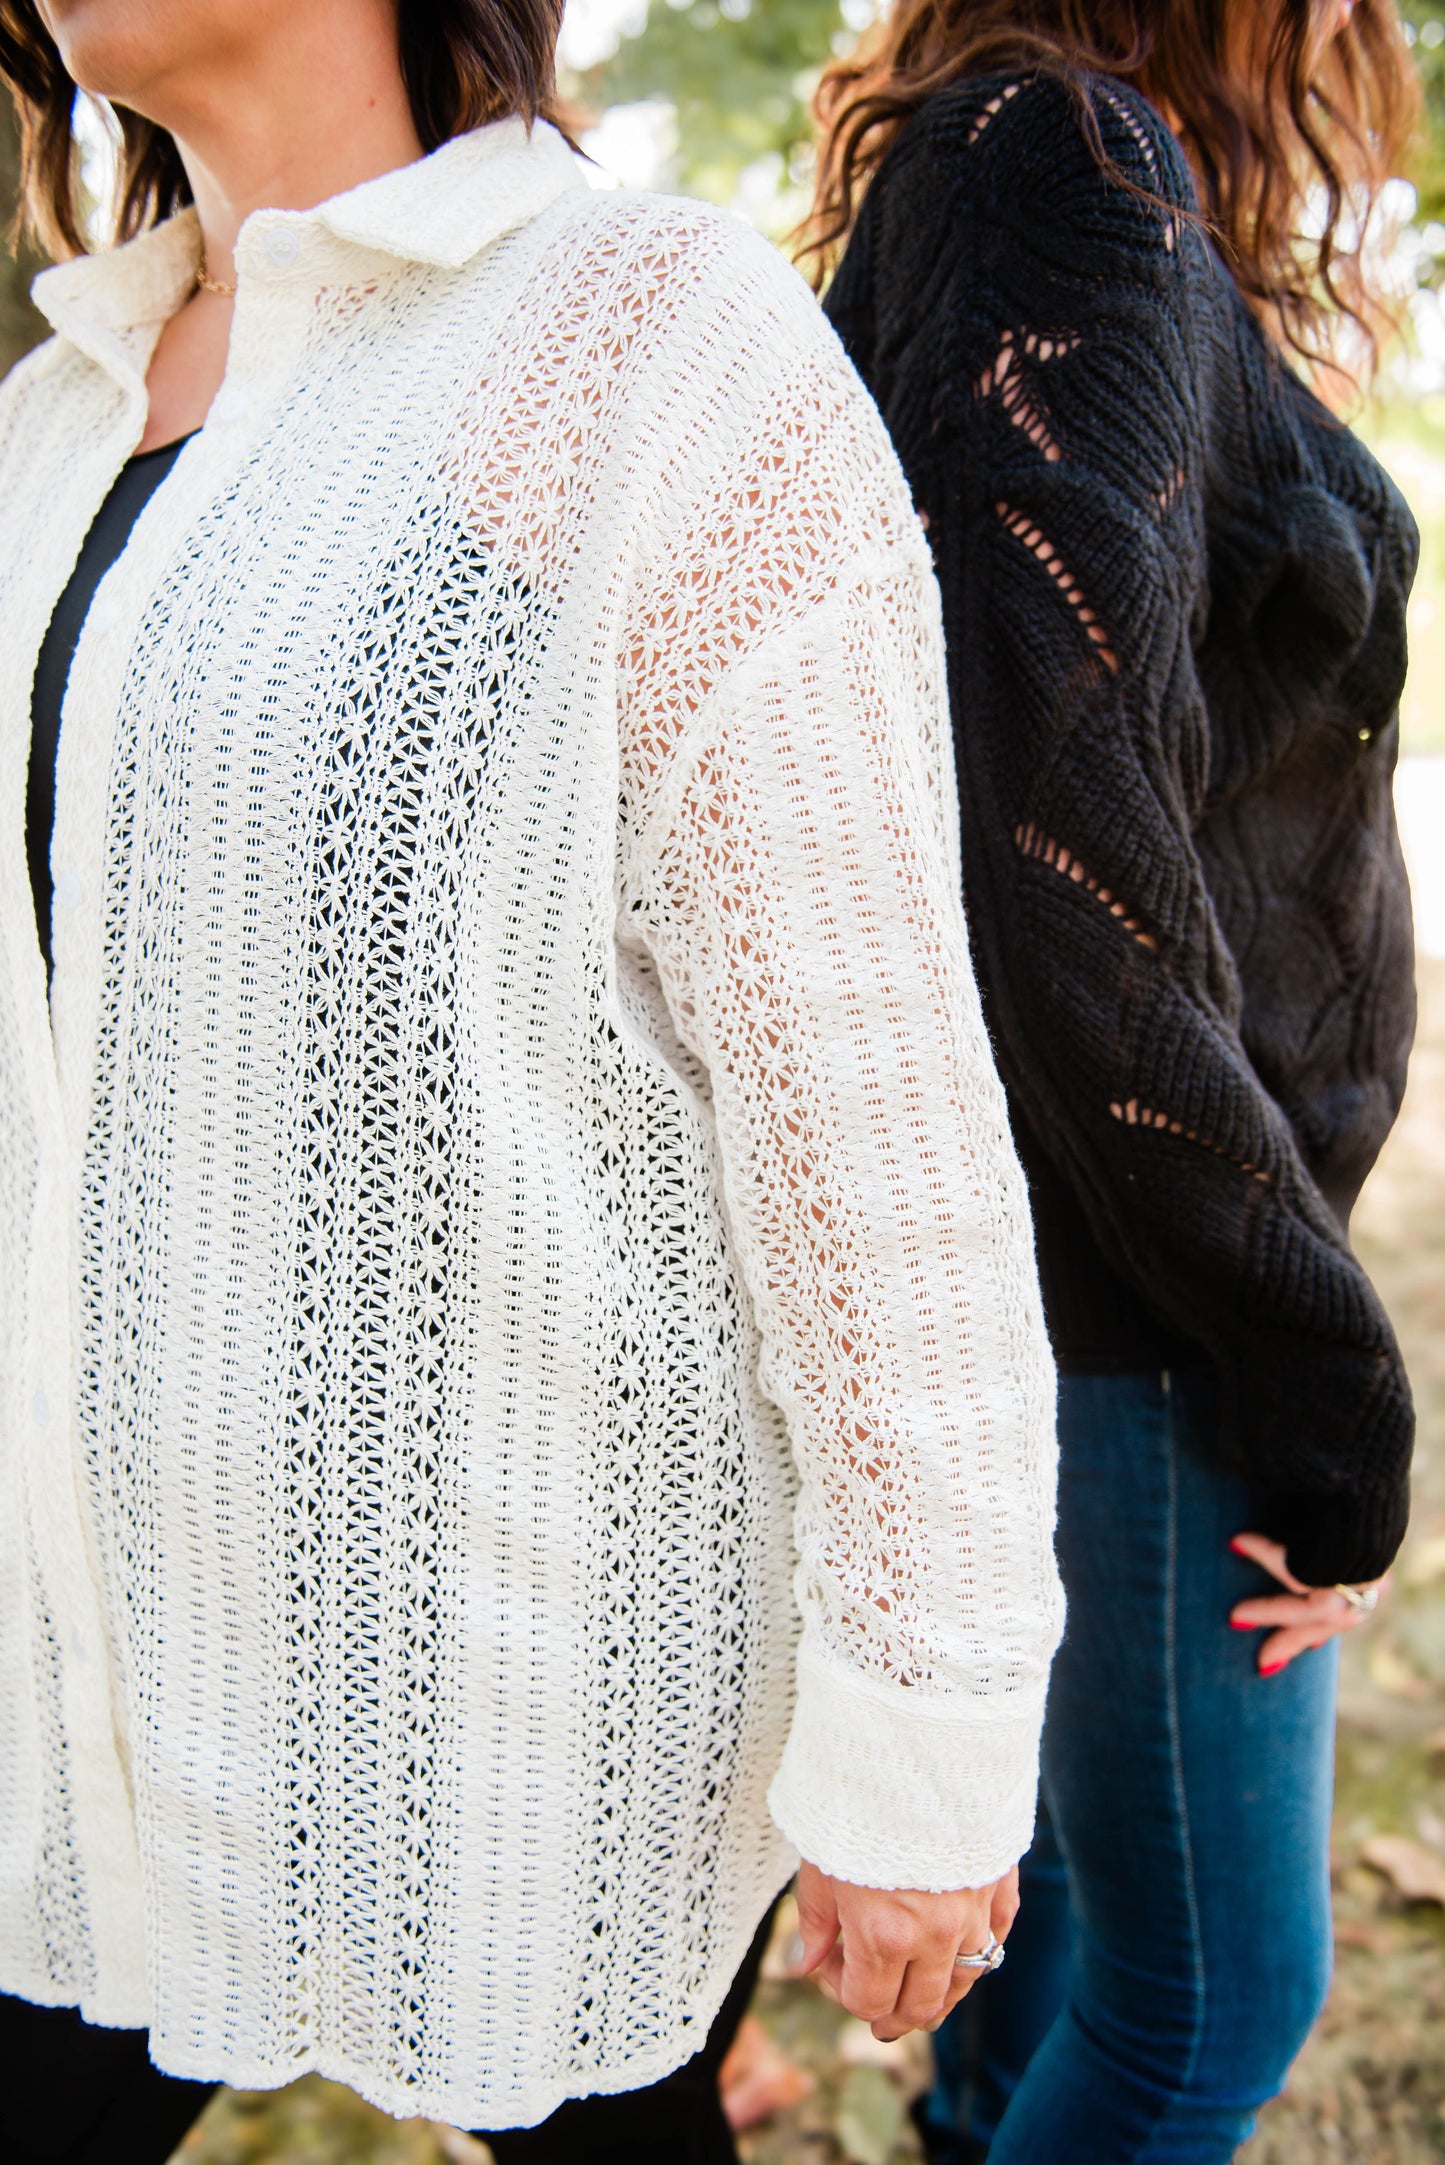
464,62
1291,134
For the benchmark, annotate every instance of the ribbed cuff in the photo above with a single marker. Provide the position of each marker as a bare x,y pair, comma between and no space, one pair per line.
935,1795
1324,1433
1333,1540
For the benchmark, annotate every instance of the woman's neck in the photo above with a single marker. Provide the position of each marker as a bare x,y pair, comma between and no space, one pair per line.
311,116
272,104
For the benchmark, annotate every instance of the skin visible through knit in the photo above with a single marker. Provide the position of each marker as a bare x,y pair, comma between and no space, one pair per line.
527,1399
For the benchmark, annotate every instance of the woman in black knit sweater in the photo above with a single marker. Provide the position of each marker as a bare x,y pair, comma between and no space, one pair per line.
1174,590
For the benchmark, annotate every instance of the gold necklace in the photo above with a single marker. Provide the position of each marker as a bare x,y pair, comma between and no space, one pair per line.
208,284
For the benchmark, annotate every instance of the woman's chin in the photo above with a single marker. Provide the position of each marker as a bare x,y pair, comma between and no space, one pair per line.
126,50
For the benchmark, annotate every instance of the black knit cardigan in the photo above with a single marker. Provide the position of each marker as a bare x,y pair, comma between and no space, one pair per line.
1174,592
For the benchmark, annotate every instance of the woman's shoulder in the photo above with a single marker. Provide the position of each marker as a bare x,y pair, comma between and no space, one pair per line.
1032,142
1058,202
33,397
748,397
671,244
28,377
702,293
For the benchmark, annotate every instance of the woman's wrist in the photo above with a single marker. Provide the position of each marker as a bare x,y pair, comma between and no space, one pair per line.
1303,1616
1343,1539
901,1959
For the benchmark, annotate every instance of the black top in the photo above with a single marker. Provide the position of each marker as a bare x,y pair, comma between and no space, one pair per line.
131,491
1174,590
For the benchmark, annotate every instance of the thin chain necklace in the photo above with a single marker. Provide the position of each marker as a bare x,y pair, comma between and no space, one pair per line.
208,284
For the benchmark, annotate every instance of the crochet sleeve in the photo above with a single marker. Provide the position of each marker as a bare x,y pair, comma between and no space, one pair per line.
1026,325
794,885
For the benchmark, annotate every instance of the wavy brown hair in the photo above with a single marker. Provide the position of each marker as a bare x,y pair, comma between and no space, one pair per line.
464,62
1291,131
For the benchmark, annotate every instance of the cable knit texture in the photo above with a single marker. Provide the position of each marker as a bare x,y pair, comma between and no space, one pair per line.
519,1203
1174,593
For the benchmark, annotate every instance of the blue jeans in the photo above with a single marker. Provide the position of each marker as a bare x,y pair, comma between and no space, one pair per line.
1173,1949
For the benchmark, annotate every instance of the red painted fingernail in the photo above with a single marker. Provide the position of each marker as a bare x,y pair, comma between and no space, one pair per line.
1238,1550
1236,1625
1271,1668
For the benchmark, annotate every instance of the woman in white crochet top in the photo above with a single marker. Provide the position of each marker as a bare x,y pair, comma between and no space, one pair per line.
525,1408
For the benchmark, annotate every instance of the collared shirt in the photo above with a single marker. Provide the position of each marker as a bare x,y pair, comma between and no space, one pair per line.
524,1398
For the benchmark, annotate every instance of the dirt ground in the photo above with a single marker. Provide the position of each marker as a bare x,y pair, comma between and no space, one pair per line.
1370,2087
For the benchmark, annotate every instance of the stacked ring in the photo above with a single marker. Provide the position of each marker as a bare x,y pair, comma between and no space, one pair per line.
1364,1600
986,1958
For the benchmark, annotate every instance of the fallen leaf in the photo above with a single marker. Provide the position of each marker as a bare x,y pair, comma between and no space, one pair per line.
1372,1939
1393,1675
1360,1885
784,1958
1413,1870
758,2079
870,2116
858,2047
457,2148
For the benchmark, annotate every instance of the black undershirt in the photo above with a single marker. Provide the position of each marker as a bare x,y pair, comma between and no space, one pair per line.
110,530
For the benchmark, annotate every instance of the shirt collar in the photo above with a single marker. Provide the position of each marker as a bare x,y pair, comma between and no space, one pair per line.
443,209
447,208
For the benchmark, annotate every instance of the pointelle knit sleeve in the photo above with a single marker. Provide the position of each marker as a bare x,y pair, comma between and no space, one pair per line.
793,881
1027,325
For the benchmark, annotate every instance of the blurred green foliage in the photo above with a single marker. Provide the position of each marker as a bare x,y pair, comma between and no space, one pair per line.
1425,25
739,74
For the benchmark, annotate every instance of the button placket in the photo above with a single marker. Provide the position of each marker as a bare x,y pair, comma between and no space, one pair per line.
282,245
230,404
271,317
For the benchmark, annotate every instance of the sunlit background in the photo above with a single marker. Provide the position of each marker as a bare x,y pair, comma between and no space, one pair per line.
710,97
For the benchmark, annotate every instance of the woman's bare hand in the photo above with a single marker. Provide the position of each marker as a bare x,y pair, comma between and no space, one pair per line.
889,1957
1306,1616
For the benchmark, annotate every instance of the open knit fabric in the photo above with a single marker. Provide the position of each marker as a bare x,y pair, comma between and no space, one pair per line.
1174,593
520,1178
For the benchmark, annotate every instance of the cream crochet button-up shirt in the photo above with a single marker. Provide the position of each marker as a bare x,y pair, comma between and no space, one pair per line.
525,1402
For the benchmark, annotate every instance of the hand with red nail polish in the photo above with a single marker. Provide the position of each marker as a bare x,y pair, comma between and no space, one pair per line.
1301,1618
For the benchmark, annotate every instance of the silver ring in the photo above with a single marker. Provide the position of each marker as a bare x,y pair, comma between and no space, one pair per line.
987,1958
1364,1600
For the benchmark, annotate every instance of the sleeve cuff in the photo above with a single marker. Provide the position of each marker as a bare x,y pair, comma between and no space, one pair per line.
1342,1417
935,1796
1333,1540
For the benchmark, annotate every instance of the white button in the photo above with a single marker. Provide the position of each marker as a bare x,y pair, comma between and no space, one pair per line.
40,1410
232,403
282,246
104,612
67,891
